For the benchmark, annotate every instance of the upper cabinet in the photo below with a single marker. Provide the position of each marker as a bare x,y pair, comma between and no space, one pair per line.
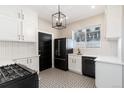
9,23
113,21
9,11
29,23
18,24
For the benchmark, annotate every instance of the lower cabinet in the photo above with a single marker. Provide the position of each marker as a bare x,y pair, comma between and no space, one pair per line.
30,62
108,75
33,63
75,63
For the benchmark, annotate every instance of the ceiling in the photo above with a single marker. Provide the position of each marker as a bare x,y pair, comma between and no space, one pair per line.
73,12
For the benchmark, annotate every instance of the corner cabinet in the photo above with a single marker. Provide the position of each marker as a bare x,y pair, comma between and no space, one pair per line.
75,63
17,24
113,14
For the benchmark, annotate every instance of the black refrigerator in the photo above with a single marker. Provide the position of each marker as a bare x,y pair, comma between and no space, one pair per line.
62,46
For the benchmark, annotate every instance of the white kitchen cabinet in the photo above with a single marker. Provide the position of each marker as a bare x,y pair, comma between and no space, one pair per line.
113,21
29,22
9,28
30,62
18,24
108,75
28,32
9,23
9,11
33,63
75,63
78,66
71,62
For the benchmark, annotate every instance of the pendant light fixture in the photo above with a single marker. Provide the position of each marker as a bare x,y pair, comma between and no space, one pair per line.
58,20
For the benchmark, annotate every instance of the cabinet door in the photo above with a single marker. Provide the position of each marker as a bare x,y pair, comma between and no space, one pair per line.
78,66
108,75
9,28
29,25
28,32
9,23
9,11
70,62
114,21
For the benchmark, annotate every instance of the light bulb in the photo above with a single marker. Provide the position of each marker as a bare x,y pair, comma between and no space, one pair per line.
61,19
93,6
56,19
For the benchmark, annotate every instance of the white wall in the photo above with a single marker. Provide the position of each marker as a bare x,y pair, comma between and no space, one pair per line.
45,26
108,48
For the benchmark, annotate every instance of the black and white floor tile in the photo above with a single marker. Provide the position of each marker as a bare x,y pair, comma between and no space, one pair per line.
55,78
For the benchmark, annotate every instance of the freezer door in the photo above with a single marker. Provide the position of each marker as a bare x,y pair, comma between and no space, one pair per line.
61,64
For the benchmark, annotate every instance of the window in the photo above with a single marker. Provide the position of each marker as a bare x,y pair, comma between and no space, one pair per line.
88,37
79,36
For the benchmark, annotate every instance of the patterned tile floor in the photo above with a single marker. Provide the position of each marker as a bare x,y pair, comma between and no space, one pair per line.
55,78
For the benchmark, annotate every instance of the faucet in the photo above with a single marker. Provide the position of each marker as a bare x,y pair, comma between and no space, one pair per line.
79,52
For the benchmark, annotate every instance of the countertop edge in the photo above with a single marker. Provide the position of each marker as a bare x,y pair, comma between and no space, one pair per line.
25,57
108,62
108,59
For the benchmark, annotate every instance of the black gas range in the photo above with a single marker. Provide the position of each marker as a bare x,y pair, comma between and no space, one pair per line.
18,76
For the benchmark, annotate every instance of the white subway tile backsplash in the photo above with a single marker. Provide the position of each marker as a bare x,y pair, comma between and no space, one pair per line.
16,49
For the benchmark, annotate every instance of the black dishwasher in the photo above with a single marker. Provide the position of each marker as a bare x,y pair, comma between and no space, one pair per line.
88,66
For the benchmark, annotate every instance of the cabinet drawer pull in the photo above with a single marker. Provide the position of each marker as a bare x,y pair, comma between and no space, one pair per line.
27,61
23,16
19,15
22,37
19,37
30,60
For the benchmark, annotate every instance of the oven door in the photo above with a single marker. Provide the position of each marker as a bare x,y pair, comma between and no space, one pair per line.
30,81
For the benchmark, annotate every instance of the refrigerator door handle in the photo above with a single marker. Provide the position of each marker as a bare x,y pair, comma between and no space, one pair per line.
60,59
56,52
58,47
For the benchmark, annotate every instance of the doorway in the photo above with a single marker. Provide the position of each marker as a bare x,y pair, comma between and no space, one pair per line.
45,50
